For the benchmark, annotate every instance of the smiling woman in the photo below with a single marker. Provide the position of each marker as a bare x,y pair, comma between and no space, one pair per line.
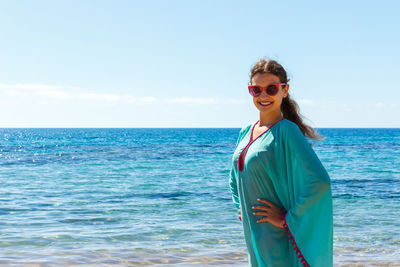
279,186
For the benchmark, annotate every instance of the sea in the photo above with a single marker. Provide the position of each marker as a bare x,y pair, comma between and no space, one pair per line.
160,196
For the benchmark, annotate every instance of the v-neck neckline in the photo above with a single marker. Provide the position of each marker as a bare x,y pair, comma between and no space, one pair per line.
241,157
252,129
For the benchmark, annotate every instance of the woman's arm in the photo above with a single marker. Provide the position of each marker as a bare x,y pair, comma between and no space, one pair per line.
232,174
307,170
233,188
309,220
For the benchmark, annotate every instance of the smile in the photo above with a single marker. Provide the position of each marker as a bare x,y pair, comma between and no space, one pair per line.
265,103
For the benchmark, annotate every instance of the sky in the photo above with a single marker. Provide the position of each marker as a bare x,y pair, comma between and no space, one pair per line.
183,63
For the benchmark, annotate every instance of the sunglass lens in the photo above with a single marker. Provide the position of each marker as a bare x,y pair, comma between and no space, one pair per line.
256,90
272,90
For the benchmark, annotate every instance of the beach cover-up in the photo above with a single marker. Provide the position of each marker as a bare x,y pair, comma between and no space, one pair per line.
281,167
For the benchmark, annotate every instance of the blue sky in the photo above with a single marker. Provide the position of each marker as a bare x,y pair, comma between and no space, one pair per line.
186,63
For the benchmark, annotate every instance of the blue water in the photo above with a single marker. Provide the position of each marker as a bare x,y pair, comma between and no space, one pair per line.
129,197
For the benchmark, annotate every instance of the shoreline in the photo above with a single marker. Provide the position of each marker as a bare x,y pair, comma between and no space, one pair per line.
142,257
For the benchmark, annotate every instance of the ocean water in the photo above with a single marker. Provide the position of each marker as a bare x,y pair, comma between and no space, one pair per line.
140,197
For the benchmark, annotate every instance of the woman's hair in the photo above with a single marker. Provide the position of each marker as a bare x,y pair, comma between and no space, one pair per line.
289,107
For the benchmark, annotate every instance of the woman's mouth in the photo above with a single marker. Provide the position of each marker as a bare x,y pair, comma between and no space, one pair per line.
265,104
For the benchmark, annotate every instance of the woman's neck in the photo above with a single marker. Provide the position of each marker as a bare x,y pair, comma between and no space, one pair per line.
268,120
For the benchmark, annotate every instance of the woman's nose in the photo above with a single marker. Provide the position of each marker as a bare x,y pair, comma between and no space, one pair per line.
263,93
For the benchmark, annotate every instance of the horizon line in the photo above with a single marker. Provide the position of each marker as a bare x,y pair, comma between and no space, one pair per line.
325,127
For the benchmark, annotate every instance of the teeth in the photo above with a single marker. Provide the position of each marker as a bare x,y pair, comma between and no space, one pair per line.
265,103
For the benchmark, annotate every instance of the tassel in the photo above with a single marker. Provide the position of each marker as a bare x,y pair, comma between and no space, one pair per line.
294,245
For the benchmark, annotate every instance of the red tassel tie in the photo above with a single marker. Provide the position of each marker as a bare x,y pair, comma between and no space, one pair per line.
294,245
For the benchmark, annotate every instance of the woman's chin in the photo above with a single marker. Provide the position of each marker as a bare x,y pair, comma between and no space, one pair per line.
264,108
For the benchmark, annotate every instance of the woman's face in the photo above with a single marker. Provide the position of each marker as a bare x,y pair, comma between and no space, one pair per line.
272,104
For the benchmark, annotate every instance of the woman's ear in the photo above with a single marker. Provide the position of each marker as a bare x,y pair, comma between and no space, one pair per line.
286,90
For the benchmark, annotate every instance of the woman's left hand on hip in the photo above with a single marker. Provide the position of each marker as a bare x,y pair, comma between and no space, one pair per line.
272,213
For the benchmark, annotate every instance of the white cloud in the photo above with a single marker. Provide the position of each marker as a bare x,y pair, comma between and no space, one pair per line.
148,99
36,86
53,94
13,92
192,100
129,99
59,92
380,105
94,96
35,89
236,101
48,92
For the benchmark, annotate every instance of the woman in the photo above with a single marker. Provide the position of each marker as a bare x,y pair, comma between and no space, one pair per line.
278,184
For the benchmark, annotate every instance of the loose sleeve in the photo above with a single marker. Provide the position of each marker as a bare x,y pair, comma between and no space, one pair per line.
234,190
233,172
309,220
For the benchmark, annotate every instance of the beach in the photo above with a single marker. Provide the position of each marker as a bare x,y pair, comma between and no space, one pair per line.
160,197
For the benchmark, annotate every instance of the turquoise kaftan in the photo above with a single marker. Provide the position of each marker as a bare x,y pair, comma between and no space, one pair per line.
281,166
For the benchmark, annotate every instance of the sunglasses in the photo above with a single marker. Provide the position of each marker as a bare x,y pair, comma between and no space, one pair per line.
271,89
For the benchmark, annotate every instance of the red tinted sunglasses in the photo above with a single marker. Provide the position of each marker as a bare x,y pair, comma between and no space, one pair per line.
271,89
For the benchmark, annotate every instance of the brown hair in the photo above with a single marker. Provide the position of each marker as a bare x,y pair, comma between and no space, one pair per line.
290,109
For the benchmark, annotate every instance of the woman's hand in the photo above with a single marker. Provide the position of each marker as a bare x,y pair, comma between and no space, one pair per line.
272,213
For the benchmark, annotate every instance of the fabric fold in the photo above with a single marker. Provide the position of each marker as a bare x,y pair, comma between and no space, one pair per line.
281,167
293,242
309,216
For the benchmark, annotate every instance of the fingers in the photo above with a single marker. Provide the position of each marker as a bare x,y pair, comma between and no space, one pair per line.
264,209
260,208
270,212
264,219
265,202
260,213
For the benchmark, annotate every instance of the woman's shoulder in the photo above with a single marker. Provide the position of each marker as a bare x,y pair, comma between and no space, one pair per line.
289,126
292,135
290,130
246,128
243,131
